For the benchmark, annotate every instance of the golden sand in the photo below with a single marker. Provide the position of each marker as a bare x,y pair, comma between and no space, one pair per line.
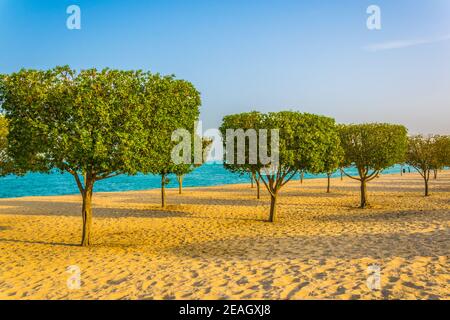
213,243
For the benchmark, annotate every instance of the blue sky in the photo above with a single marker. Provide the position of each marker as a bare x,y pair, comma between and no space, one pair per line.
314,56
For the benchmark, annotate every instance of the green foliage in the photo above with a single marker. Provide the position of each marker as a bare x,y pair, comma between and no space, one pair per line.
442,151
183,169
422,153
180,170
245,121
175,105
80,123
304,140
94,124
372,148
4,163
334,156
428,154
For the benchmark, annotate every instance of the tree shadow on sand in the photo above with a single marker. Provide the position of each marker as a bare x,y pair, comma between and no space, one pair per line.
391,189
39,242
223,189
299,193
347,246
73,209
382,216
207,201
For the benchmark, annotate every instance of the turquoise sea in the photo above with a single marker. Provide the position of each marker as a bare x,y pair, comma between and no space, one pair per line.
210,174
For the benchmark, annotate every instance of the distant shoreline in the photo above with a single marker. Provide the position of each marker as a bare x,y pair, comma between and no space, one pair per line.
234,180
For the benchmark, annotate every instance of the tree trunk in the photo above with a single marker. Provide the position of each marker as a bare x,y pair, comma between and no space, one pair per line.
435,174
252,179
273,207
329,182
426,178
364,201
180,184
342,175
258,188
163,190
302,175
87,214
401,171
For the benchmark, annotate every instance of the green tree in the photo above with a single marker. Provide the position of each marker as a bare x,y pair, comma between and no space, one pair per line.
372,148
442,153
304,140
180,171
247,123
87,124
445,151
298,140
176,105
424,155
302,176
183,169
333,159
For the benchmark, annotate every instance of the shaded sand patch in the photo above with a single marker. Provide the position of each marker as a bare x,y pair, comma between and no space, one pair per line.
214,243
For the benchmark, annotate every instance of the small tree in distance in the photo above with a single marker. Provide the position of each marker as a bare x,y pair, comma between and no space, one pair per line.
241,123
445,151
175,106
333,159
299,141
372,148
423,154
442,153
180,170
304,140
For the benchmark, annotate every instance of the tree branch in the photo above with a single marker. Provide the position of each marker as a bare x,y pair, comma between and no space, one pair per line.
350,175
372,176
77,179
107,176
266,184
290,178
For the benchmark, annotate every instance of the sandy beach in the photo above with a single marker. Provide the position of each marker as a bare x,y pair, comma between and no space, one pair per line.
213,243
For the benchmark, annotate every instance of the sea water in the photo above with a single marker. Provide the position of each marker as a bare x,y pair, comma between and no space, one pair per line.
55,183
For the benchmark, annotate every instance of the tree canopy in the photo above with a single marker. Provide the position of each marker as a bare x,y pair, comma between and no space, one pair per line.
333,159
175,105
301,141
92,124
442,151
248,123
304,140
372,148
4,163
427,154
182,169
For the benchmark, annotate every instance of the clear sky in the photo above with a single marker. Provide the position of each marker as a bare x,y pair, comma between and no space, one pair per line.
314,56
